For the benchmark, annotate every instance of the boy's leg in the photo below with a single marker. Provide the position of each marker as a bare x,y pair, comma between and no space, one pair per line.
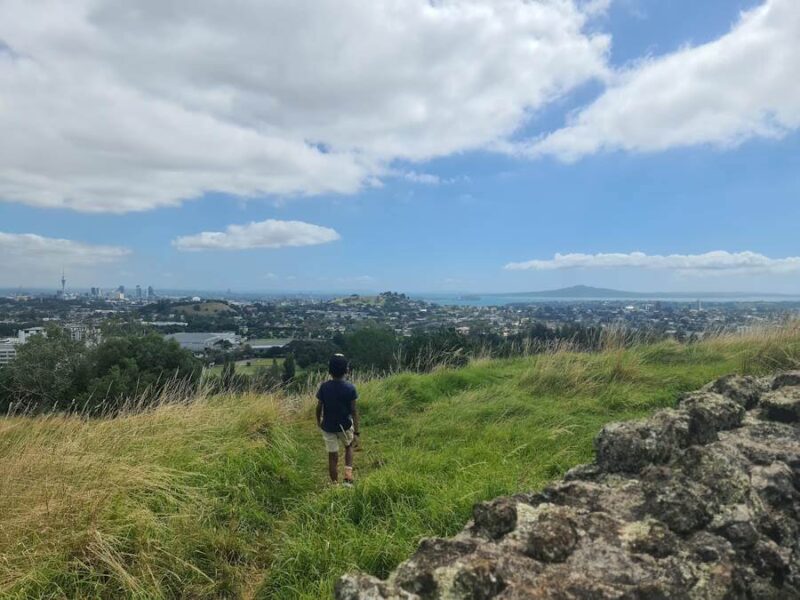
333,466
348,463
348,456
332,446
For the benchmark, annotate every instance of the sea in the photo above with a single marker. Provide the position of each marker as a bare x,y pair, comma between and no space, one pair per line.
504,300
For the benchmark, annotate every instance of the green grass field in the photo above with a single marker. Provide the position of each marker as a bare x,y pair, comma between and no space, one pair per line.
226,496
246,367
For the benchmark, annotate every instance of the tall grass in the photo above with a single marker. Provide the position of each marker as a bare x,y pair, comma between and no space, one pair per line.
149,504
762,350
224,495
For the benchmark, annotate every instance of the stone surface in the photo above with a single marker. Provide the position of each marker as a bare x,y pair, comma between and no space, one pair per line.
710,413
496,518
554,536
744,390
699,502
783,404
627,447
791,378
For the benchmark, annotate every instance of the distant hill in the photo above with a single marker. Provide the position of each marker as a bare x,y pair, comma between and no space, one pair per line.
582,291
205,308
586,291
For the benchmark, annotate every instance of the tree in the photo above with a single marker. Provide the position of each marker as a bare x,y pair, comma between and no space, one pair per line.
228,373
339,341
425,350
55,372
288,369
268,378
133,367
373,347
47,373
312,352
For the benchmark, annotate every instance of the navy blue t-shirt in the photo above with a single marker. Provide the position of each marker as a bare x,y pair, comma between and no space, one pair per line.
336,396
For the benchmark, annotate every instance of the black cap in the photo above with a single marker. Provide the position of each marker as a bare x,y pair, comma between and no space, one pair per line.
337,365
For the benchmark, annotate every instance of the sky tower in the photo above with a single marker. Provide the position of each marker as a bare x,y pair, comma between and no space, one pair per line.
63,283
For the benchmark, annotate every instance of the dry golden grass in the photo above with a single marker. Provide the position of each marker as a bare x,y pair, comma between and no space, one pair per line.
64,478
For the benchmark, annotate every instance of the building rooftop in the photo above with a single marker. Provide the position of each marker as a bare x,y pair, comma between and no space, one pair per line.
200,336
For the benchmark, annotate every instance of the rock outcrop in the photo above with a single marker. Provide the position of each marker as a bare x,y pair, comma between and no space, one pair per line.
701,501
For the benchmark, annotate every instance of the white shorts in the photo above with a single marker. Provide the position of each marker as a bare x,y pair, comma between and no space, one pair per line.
332,439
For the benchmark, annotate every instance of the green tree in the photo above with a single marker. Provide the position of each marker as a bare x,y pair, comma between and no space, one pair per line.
269,378
312,352
289,369
48,372
56,372
373,347
228,373
135,367
425,350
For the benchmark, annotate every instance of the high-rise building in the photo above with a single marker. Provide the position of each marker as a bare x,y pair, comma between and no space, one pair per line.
150,292
95,292
8,351
138,292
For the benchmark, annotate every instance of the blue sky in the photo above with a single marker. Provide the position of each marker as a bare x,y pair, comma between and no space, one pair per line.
567,172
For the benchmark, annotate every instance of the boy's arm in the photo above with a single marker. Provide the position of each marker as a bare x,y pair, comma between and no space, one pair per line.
319,413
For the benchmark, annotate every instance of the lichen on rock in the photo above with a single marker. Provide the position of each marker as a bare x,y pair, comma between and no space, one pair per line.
701,501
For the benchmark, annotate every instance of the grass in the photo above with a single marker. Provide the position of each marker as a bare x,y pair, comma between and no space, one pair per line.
226,496
247,367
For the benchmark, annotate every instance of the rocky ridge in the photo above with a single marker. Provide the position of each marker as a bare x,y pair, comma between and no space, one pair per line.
701,501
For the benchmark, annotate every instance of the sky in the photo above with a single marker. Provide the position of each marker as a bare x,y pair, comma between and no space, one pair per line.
414,145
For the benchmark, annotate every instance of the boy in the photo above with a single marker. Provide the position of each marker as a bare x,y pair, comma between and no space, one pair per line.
338,418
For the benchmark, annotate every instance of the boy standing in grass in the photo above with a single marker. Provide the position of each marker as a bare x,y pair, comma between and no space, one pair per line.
338,418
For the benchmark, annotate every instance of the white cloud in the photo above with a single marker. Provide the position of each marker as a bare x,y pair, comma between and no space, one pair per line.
32,259
31,250
740,86
423,178
718,261
111,106
265,234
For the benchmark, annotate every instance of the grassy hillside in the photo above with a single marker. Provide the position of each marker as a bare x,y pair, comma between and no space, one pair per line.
206,308
247,366
226,496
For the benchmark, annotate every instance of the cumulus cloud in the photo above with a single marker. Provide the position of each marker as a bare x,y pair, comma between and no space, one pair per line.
740,86
111,106
29,249
265,234
718,261
29,258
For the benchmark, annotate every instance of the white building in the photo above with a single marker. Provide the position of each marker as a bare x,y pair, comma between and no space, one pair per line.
201,341
268,344
24,334
8,351
77,331
82,333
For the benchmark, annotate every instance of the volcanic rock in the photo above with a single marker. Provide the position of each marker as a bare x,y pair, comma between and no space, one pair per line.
699,502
